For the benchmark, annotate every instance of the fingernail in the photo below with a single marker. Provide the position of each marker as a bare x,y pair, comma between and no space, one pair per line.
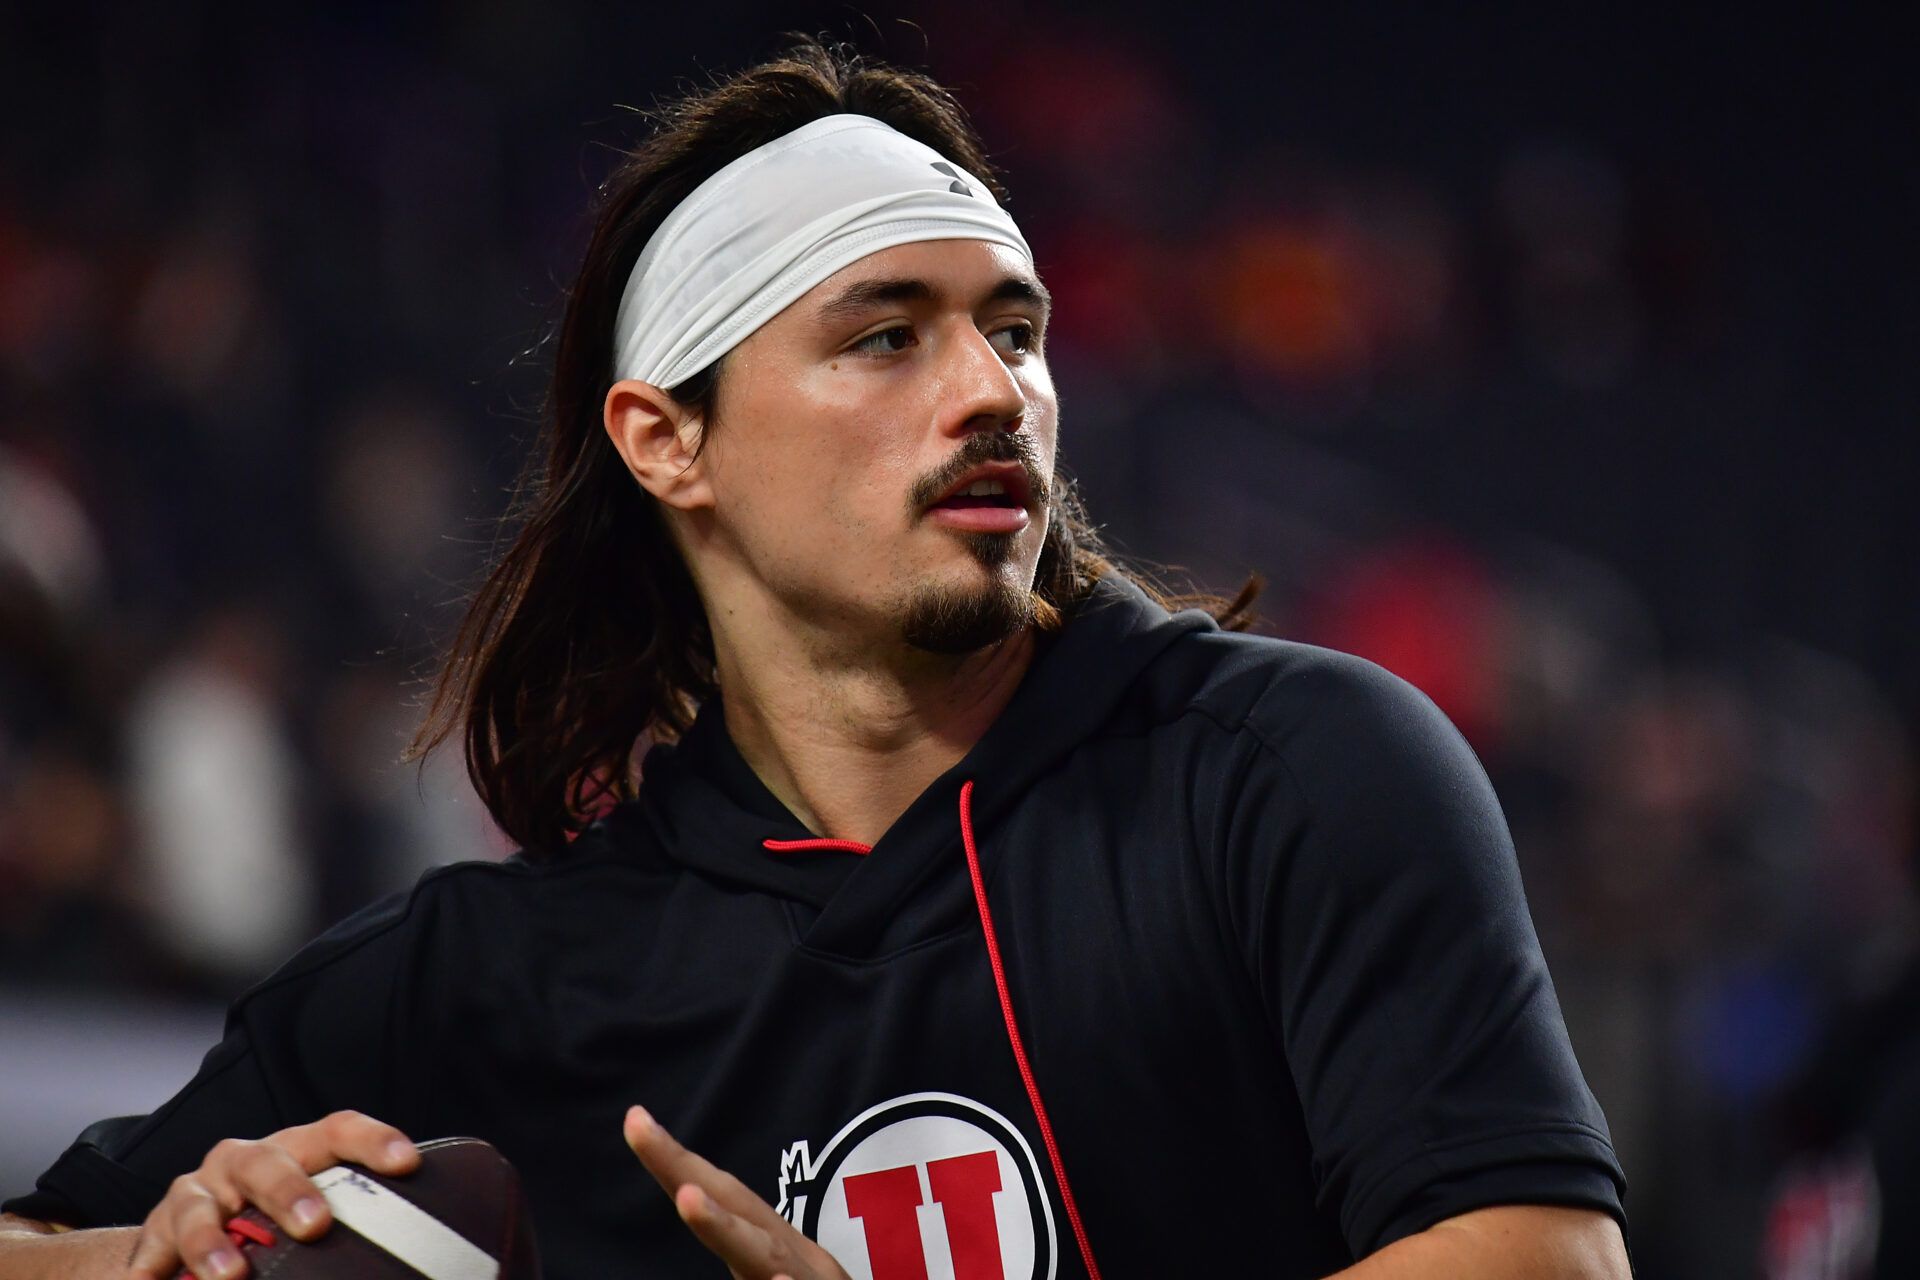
223,1263
399,1152
641,1121
306,1213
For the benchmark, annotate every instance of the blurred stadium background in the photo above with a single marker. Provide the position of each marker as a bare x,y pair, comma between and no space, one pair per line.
1562,363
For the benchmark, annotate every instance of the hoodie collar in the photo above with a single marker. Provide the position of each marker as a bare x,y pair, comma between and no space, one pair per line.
711,813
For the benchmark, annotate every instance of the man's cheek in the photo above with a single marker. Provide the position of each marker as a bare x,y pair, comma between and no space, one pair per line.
866,509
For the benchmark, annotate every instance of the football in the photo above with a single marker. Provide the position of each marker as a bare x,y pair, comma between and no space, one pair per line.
460,1215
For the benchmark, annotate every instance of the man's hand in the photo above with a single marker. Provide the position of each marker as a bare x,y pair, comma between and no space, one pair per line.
273,1174
742,1229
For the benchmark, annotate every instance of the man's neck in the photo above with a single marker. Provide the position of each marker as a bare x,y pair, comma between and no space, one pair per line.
847,746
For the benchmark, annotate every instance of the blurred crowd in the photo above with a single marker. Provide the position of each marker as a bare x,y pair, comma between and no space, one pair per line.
271,302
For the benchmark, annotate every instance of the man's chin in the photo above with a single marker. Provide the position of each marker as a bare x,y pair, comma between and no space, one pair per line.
956,618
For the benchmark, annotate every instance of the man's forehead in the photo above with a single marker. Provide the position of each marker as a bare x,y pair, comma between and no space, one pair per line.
759,235
941,271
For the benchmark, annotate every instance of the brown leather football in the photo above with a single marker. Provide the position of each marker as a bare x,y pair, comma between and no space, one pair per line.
459,1215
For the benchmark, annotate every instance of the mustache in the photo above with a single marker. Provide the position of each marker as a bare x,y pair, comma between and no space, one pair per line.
985,446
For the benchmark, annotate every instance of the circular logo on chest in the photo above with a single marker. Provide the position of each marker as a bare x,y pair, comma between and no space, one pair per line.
930,1186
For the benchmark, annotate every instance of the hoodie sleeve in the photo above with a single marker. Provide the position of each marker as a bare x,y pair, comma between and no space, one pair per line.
1373,885
314,1037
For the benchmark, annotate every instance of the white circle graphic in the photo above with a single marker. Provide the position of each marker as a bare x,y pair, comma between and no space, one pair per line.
933,1178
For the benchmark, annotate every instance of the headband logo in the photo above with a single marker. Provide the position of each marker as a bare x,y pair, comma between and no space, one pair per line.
959,185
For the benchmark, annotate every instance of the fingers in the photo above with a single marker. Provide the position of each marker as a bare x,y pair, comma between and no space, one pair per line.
673,1166
188,1227
747,1249
352,1136
724,1213
274,1175
270,1179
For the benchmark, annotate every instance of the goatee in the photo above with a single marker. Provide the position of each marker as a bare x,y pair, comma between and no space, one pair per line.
953,620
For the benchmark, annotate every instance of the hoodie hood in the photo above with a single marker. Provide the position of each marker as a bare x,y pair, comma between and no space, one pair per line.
709,812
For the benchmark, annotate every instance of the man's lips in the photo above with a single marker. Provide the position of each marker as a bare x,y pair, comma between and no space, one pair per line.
981,519
999,513
1011,476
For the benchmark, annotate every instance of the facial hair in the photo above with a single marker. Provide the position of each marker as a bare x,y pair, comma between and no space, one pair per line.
955,620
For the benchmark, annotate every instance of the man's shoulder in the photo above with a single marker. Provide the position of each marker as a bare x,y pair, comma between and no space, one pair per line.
379,930
1355,749
1288,695
457,904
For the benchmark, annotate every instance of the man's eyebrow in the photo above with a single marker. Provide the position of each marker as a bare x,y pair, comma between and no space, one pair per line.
864,295
1023,289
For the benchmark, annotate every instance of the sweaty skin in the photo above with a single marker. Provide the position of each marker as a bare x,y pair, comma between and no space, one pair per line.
796,522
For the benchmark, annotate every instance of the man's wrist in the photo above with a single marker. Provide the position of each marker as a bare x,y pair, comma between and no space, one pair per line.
99,1253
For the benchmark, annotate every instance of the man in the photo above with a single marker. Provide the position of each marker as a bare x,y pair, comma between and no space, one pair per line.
986,919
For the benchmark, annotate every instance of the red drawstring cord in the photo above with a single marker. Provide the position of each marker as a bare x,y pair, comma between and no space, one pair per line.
1013,1031
1006,1002
240,1231
791,846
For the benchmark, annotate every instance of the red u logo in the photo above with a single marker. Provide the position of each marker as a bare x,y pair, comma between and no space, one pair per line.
885,1202
927,1186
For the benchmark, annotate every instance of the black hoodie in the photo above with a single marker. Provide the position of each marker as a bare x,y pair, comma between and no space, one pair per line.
1250,989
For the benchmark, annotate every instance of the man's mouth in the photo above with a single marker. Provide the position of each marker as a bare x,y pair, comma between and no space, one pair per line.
991,498
981,493
991,484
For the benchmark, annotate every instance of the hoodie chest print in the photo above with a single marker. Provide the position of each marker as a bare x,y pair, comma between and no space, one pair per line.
929,1186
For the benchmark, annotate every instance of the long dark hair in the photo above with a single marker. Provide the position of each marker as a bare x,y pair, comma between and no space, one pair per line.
587,632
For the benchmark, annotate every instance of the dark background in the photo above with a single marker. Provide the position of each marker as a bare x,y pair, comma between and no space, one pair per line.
1561,360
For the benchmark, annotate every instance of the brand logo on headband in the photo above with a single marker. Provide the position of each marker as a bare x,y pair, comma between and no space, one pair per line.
959,185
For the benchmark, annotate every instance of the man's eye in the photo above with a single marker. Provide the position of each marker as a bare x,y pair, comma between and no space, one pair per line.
1025,339
882,343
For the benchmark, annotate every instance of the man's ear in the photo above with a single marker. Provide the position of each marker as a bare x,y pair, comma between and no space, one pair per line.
656,436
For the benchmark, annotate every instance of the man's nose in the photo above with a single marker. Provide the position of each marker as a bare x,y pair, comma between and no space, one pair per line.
990,397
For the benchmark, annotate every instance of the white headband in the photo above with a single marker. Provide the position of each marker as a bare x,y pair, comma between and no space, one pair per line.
776,222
